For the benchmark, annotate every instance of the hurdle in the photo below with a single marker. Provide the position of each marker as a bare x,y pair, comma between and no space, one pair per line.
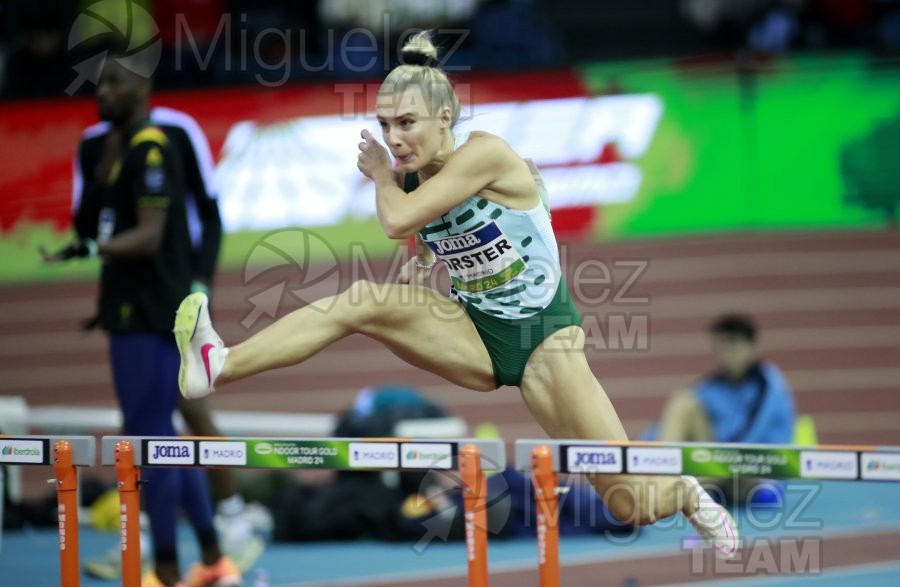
64,454
546,459
471,457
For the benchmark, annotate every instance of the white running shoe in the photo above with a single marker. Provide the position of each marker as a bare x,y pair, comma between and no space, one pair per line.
713,522
202,351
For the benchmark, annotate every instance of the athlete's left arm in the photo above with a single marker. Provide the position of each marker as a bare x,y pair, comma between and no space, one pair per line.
199,170
151,193
474,166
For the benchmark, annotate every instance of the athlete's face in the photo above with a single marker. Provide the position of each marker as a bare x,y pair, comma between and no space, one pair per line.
119,92
410,130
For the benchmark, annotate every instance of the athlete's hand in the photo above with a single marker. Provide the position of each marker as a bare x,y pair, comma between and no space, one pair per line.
373,160
53,258
79,248
411,273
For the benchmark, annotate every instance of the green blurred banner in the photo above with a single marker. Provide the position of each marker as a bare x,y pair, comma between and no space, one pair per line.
799,143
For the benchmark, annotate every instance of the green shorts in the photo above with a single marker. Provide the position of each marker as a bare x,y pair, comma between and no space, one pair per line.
510,342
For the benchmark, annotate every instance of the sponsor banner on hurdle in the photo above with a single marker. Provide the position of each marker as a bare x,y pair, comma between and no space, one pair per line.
660,461
592,459
697,461
819,464
223,453
718,460
318,453
170,451
38,450
728,462
880,466
339,454
360,454
20,451
274,453
431,455
293,454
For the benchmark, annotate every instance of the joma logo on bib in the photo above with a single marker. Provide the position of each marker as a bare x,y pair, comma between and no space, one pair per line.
455,243
480,260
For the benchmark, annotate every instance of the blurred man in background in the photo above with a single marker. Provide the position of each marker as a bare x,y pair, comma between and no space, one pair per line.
745,400
132,211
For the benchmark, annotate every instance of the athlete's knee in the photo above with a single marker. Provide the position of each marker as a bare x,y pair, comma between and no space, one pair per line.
362,302
645,513
358,292
632,502
633,511
354,303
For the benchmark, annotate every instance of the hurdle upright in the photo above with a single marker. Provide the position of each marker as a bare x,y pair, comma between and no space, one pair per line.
471,457
545,459
64,454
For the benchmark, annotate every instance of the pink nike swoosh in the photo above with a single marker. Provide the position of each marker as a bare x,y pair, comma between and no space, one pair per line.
729,534
204,352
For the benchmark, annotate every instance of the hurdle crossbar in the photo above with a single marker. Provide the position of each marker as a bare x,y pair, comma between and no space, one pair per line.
64,454
717,460
545,459
472,457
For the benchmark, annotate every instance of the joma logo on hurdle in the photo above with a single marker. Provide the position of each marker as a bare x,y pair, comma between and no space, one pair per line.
596,458
171,452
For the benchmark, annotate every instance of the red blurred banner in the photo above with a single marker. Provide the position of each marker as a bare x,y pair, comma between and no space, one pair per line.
39,137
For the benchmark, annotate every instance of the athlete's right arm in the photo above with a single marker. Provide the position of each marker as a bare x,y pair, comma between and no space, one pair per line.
474,166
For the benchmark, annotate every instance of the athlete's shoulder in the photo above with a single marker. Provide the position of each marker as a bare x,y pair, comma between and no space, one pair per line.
175,123
486,146
95,130
187,136
484,139
91,142
163,115
149,134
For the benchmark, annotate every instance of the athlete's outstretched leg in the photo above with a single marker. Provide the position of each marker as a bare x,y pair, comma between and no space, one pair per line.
420,326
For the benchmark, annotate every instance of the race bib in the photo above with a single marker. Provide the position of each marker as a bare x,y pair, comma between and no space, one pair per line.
480,260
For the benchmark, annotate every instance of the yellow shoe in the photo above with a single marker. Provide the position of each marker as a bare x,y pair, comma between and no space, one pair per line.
222,574
151,580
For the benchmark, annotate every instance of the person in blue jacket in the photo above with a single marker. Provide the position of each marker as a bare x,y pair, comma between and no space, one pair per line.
746,399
